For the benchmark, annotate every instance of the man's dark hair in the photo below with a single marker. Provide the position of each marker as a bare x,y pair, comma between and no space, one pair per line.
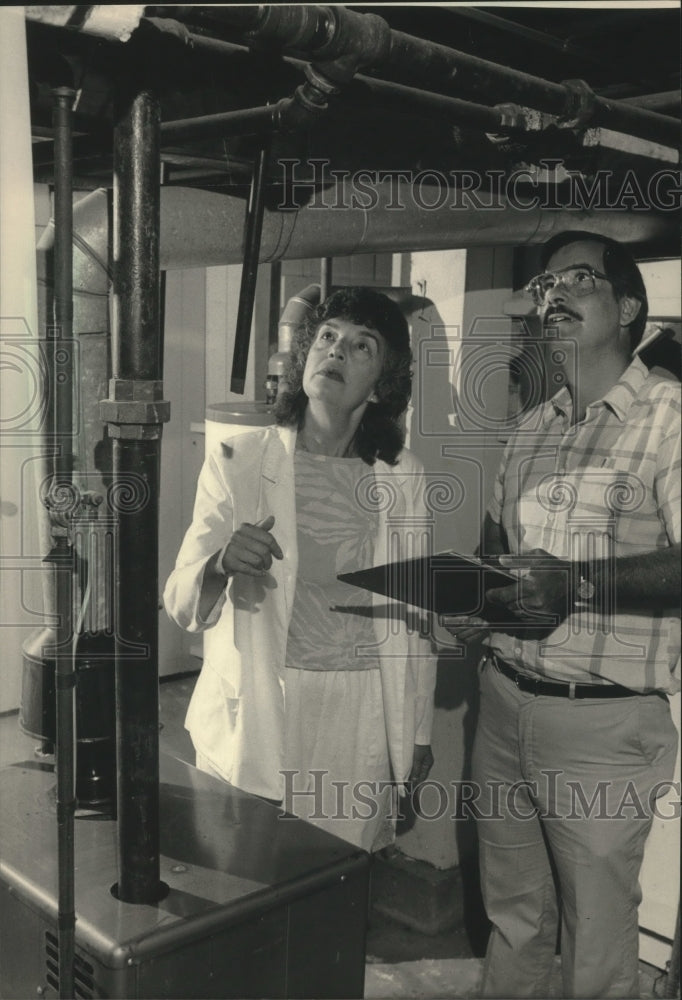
619,266
380,434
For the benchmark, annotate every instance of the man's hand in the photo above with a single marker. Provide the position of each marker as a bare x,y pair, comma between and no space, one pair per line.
466,628
422,762
545,586
250,549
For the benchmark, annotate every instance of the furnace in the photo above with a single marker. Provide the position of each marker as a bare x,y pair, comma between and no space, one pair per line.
258,904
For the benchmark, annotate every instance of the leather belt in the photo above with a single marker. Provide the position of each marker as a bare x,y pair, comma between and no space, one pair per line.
560,689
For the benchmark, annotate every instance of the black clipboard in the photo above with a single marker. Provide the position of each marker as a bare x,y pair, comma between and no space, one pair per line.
447,583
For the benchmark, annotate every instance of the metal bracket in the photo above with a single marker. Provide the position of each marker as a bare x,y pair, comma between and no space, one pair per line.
66,504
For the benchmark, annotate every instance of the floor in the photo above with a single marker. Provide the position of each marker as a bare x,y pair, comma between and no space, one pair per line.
401,962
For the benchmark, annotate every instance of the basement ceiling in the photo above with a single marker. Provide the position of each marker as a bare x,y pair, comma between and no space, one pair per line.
202,62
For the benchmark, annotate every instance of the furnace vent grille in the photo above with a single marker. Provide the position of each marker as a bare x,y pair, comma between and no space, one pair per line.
83,972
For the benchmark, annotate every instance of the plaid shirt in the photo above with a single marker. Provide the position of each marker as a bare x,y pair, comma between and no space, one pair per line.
607,486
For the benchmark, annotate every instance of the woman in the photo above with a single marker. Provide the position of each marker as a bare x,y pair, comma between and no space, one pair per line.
309,695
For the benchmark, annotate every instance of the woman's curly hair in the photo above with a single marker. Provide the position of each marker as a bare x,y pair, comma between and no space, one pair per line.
380,434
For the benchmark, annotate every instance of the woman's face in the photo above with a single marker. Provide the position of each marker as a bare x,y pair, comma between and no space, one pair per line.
344,363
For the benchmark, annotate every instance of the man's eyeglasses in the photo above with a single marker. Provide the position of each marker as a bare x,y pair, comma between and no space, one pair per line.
578,280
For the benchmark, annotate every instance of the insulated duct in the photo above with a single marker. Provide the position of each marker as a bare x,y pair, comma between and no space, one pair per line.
115,22
201,228
205,229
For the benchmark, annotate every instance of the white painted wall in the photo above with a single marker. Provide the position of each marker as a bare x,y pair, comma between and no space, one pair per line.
182,448
463,293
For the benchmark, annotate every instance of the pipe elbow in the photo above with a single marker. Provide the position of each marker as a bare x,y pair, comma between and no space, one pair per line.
299,305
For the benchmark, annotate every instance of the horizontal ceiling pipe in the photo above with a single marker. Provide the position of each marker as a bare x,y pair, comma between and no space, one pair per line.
541,38
244,121
393,97
668,100
630,119
302,25
390,95
389,54
262,120
412,101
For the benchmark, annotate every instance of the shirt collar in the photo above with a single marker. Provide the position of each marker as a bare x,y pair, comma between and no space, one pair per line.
559,404
618,398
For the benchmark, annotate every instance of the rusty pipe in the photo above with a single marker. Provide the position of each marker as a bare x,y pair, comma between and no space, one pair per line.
132,414
338,34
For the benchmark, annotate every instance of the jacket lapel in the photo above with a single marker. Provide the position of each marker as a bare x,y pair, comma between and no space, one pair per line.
278,497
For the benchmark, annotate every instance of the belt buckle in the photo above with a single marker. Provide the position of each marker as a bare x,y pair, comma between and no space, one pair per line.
529,685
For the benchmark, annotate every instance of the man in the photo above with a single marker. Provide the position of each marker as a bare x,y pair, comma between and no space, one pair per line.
575,739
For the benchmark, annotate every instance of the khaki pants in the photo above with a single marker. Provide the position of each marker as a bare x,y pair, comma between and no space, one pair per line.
567,790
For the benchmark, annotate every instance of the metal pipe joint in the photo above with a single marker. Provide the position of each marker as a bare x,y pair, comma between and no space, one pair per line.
351,42
581,104
299,26
355,41
135,409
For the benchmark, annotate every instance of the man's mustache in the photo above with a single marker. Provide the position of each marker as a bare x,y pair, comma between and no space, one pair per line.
559,311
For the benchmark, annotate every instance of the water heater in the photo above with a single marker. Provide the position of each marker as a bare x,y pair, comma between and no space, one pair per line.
224,420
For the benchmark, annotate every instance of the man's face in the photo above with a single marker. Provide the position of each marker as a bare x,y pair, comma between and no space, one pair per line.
595,320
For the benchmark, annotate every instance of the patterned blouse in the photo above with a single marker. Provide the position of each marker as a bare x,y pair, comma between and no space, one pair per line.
331,624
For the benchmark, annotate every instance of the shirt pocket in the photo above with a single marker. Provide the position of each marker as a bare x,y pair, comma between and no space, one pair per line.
613,504
580,515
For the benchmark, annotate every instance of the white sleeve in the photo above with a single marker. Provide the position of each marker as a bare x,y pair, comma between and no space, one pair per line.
211,528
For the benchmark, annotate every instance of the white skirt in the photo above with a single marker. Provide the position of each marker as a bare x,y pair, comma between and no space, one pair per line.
337,773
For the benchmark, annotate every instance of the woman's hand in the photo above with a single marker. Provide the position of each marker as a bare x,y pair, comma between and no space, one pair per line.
422,762
250,550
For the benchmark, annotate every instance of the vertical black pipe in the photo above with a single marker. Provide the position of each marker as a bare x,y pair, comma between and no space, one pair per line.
275,305
163,179
136,360
247,290
325,277
61,554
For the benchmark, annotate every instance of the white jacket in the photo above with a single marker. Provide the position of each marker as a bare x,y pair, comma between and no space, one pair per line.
236,714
